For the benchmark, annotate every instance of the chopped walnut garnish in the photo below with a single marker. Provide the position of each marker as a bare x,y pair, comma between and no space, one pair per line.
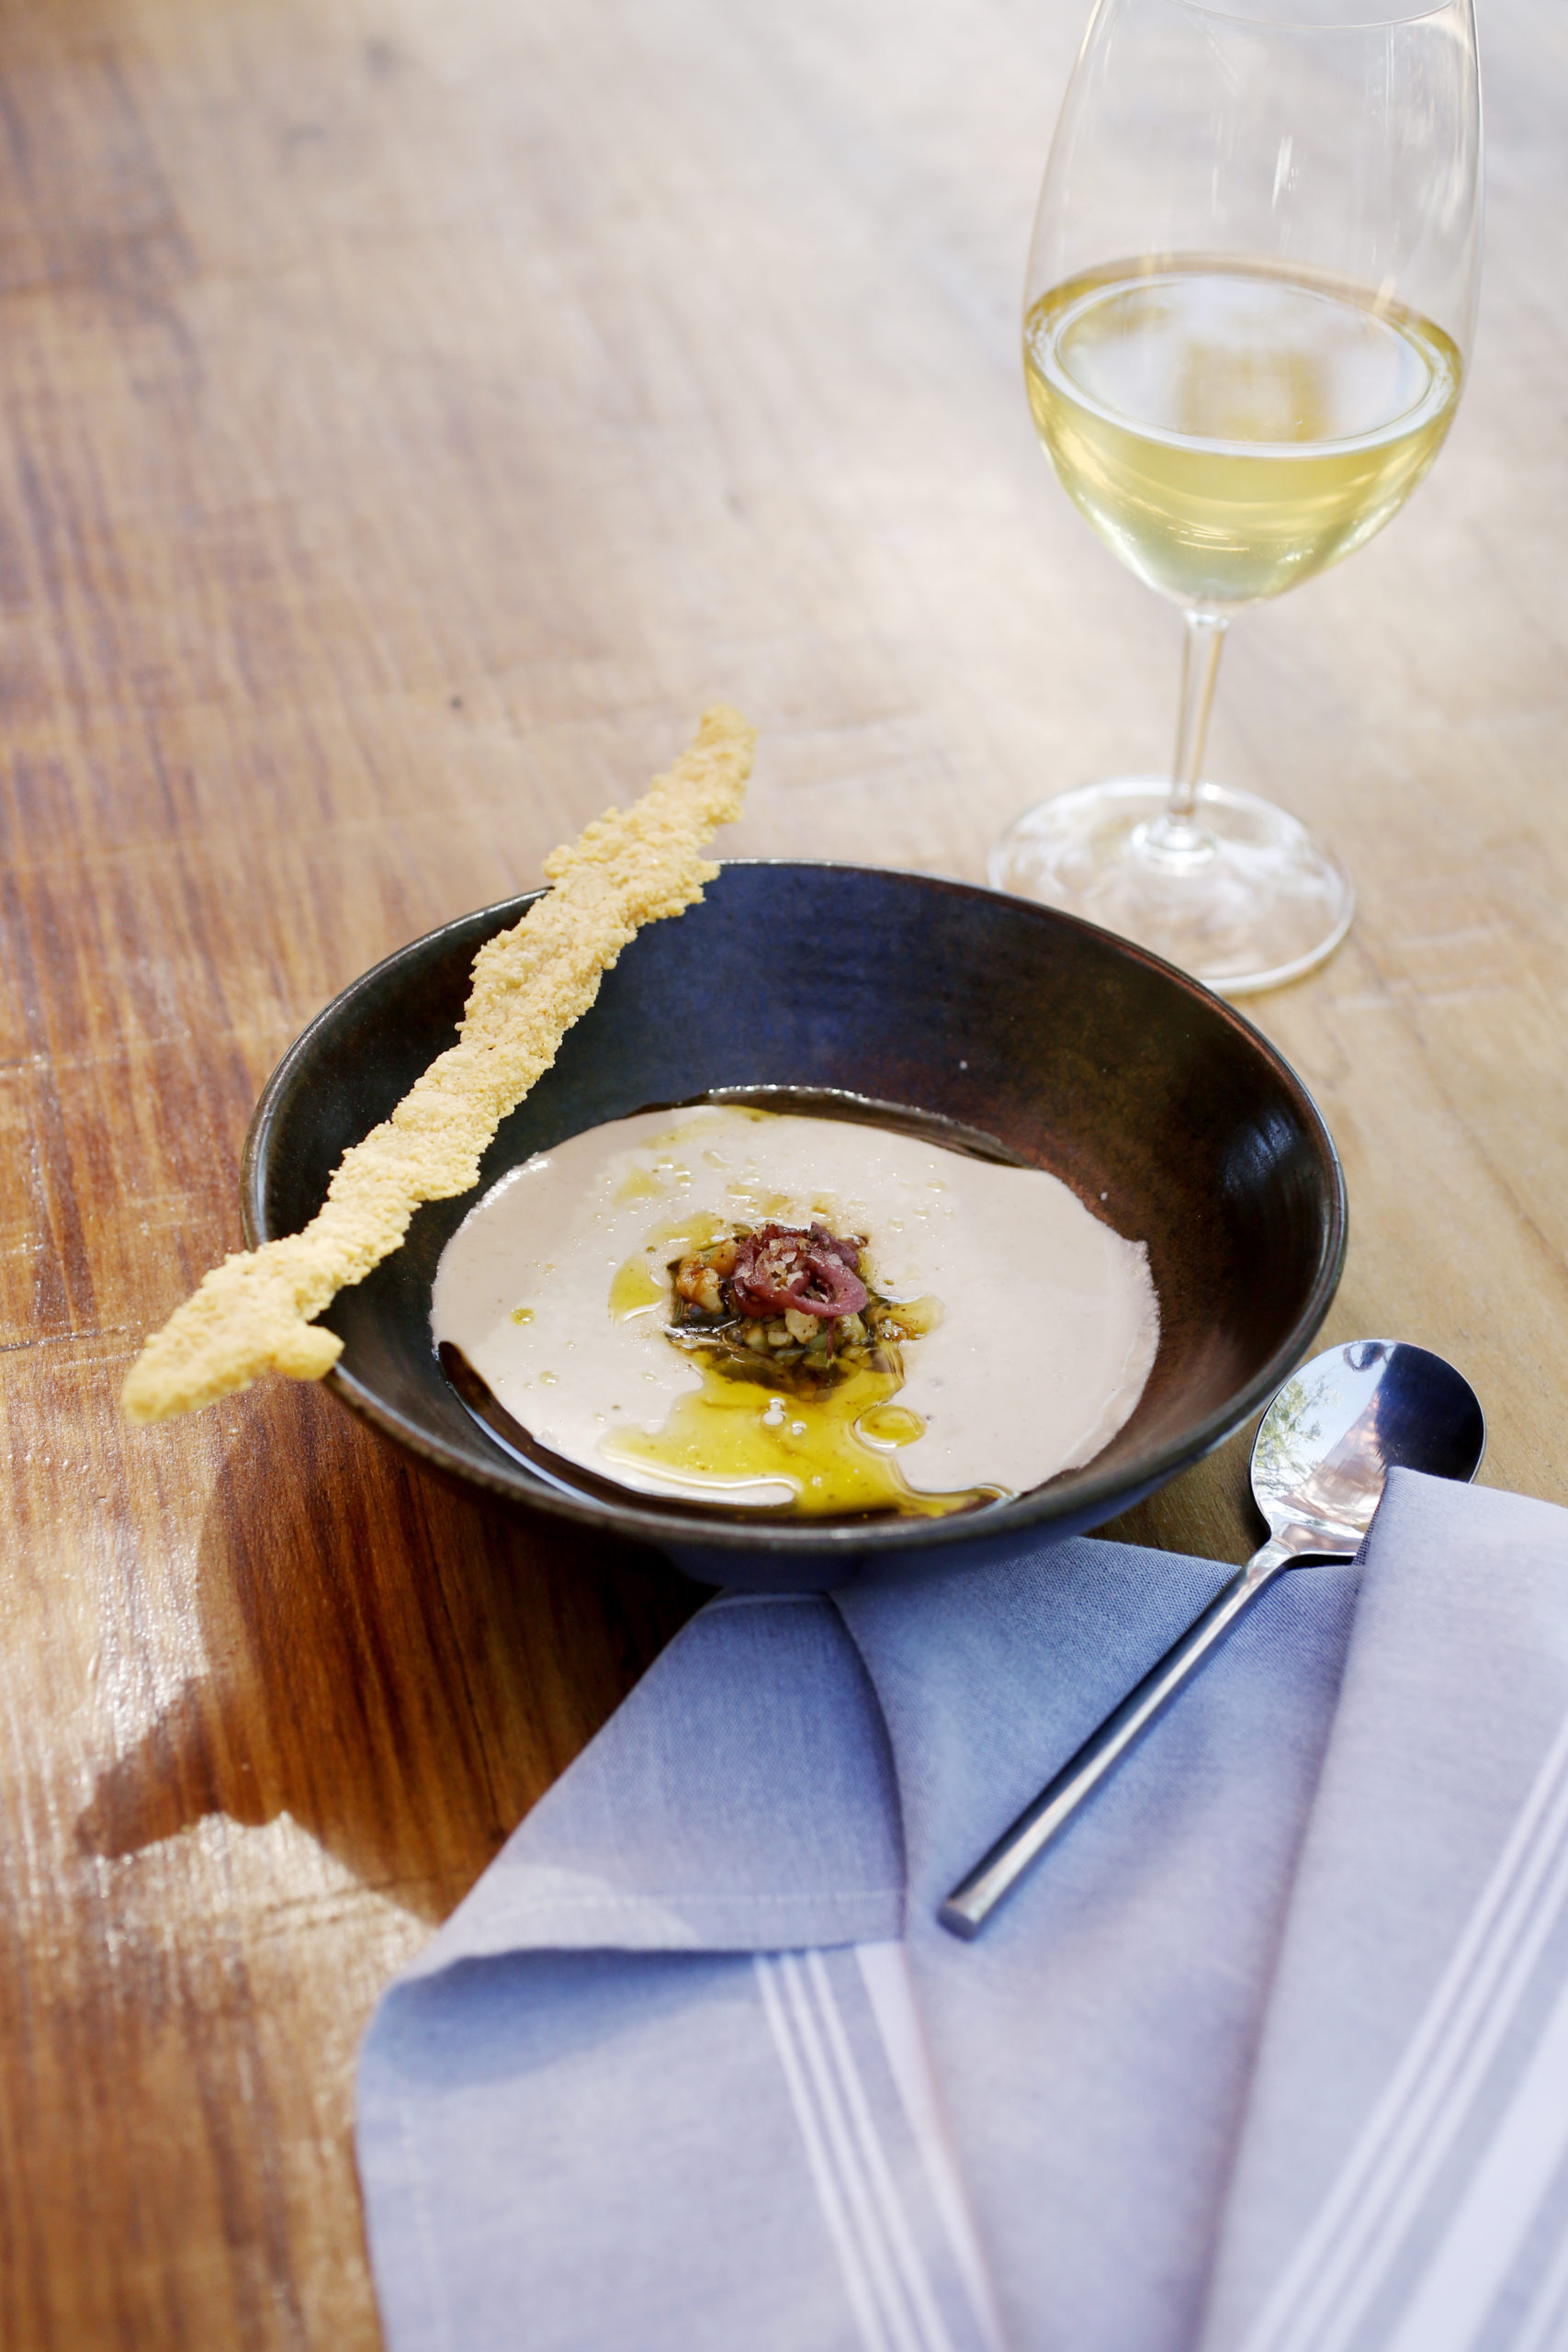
700,1278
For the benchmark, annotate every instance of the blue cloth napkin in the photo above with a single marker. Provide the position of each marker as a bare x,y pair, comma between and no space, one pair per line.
1270,2053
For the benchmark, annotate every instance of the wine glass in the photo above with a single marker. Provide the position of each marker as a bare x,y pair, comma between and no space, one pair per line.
1248,309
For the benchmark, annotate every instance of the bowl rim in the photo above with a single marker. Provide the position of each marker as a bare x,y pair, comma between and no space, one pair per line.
664,1527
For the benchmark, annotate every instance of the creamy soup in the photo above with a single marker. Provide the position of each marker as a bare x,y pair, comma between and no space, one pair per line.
1009,1334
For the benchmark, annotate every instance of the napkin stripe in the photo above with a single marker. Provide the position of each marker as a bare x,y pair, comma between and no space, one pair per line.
856,2284
878,2256
885,1973
889,2288
1482,2238
1346,2255
1427,2159
912,2271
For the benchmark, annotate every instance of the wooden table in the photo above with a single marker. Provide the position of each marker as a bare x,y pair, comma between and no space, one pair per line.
411,414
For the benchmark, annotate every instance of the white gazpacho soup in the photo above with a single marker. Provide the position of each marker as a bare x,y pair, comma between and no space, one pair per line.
796,1313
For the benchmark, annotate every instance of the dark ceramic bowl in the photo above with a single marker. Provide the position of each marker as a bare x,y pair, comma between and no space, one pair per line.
1067,1048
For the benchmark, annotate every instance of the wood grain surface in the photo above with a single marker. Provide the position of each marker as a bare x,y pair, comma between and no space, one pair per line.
410,415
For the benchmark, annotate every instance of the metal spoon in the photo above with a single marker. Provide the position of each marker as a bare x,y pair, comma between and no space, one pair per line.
1319,1464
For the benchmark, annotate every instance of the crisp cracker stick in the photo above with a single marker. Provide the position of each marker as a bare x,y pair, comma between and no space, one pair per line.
253,1313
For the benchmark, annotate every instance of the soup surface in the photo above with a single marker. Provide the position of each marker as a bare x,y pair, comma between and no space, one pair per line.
1008,1335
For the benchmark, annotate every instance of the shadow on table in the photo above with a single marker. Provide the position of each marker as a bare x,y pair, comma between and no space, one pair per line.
398,1664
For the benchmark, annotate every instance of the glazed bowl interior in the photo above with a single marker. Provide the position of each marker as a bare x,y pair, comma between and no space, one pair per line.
1067,1048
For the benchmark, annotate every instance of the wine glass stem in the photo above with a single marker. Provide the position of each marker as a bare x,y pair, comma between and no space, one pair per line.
1177,838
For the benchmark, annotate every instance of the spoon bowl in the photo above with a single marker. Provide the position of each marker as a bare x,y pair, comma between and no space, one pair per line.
1320,1462
1327,1442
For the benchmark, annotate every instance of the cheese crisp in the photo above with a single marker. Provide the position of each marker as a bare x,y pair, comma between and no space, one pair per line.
254,1313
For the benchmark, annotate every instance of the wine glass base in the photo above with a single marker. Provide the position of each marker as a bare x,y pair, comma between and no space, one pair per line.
1247,900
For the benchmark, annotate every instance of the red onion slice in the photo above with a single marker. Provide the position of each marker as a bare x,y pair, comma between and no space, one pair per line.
779,1267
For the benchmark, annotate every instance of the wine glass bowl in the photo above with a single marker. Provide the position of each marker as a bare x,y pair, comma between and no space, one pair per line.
1249,301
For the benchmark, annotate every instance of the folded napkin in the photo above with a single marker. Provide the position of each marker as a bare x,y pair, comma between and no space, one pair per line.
1269,2055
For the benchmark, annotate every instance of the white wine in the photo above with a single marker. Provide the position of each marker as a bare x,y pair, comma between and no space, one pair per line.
1230,429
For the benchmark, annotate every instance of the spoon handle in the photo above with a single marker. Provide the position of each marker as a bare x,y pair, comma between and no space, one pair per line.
972,1900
